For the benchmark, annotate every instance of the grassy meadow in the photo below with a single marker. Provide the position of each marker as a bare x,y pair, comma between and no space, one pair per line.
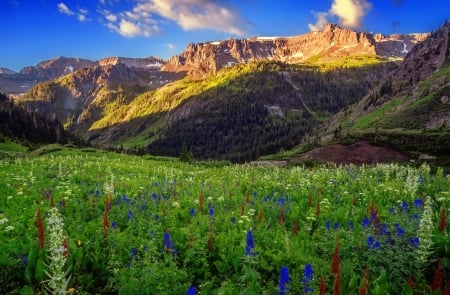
83,221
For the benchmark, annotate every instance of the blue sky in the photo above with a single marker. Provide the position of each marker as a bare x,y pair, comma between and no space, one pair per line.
37,30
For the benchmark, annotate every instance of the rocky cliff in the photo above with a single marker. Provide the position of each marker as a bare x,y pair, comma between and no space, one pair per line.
330,44
16,83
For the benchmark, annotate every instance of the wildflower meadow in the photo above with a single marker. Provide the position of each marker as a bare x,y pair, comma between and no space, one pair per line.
102,223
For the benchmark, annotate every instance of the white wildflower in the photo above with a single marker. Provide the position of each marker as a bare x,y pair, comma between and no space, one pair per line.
9,228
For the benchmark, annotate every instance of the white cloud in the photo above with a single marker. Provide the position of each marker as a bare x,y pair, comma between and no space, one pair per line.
130,29
350,14
81,15
146,17
320,23
170,46
64,9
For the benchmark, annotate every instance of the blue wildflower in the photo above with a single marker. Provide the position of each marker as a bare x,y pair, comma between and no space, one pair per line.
24,260
418,203
336,225
307,278
233,220
284,280
250,244
370,242
191,291
404,206
327,225
266,198
414,242
400,231
130,214
392,210
383,229
168,244
281,201
154,196
211,210
192,212
416,216
133,251
365,222
113,224
350,225
143,207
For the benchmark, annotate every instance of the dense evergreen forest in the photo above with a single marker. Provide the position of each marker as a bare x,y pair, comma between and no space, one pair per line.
262,112
28,127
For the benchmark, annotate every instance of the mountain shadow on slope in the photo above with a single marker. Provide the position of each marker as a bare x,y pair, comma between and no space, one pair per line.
28,127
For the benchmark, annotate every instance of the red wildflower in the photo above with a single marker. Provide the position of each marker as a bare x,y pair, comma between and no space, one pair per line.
260,215
363,289
411,283
337,283
295,228
105,225
281,217
335,264
66,248
201,201
447,288
442,221
40,225
211,243
191,241
322,286
318,207
437,280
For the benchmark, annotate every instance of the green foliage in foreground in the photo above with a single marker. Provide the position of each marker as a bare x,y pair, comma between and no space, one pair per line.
141,226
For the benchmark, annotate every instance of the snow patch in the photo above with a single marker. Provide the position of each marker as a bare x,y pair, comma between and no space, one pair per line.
267,38
215,43
68,69
405,51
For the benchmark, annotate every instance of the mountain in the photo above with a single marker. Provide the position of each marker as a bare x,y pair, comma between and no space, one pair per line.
232,99
333,43
17,83
410,108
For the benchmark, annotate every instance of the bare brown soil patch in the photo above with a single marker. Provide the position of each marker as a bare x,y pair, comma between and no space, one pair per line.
358,153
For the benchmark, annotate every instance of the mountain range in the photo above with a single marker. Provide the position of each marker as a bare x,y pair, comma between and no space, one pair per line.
241,99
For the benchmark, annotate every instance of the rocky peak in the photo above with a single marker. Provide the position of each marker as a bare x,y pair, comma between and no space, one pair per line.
56,67
151,62
426,58
330,44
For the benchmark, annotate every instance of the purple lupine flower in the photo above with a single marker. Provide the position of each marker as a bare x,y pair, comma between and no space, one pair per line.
365,222
418,202
383,229
404,206
370,242
336,225
327,225
192,212
191,291
350,225
130,215
249,244
400,231
284,280
414,242
307,279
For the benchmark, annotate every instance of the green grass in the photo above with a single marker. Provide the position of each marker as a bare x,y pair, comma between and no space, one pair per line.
379,114
207,210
